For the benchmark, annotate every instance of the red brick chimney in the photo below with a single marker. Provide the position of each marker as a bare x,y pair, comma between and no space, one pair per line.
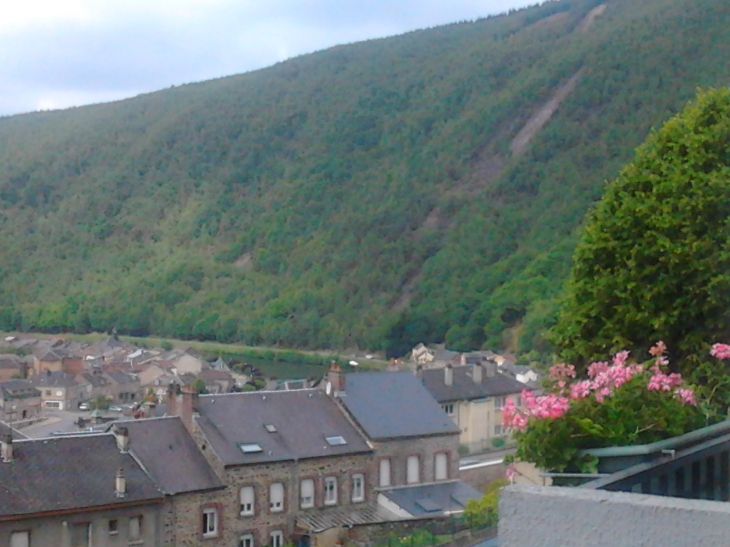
336,378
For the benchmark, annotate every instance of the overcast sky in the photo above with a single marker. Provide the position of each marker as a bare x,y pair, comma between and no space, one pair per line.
61,53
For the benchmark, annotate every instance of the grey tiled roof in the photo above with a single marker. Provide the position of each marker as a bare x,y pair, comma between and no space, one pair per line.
5,429
121,377
303,419
54,379
394,404
463,388
68,473
318,520
18,389
168,453
432,499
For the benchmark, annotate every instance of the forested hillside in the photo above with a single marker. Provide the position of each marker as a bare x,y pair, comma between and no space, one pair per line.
425,187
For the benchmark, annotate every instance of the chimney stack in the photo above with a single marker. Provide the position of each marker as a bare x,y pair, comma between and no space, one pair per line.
477,373
121,483
188,405
121,434
173,391
336,378
6,447
491,367
448,375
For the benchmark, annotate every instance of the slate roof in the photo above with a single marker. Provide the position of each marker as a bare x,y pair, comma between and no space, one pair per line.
303,419
168,453
54,379
69,473
5,430
96,380
463,388
11,361
394,404
318,520
432,499
121,377
18,389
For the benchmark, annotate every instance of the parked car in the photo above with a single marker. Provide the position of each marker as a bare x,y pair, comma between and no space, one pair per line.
115,408
84,406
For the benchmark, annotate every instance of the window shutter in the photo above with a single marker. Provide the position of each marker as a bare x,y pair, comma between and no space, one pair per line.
442,467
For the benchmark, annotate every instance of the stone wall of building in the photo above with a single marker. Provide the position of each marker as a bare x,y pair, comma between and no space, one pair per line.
183,519
549,516
425,448
58,531
264,521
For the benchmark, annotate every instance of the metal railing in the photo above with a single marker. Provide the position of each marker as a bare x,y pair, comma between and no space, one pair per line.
698,472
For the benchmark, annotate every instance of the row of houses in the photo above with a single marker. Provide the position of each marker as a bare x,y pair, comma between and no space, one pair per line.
313,466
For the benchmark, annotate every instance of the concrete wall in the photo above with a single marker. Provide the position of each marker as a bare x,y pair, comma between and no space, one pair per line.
56,531
537,516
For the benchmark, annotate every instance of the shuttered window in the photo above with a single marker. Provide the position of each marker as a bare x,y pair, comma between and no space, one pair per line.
441,464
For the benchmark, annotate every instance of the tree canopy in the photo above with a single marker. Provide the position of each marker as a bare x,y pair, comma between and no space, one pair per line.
654,260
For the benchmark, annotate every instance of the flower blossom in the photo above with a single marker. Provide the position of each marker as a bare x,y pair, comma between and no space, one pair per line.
659,349
561,371
687,396
580,390
620,358
597,368
664,382
721,351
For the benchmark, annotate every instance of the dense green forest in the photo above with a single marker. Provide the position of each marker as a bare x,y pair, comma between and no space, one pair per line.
369,195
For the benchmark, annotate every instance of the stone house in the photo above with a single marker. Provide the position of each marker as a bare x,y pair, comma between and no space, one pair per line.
216,381
12,367
168,453
294,457
433,357
20,402
59,390
125,388
63,492
473,397
94,384
416,444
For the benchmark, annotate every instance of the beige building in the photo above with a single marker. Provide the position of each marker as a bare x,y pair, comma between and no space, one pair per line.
473,397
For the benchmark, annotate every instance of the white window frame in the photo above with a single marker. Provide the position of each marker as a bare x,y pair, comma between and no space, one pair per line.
210,522
330,490
306,493
135,530
246,540
413,470
247,500
20,539
276,538
384,472
499,402
358,487
113,528
441,466
448,408
276,497
498,430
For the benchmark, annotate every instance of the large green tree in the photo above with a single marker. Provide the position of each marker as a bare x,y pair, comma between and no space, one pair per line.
654,260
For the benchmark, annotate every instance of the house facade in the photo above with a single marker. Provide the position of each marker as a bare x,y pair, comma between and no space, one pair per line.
59,390
68,492
20,402
473,397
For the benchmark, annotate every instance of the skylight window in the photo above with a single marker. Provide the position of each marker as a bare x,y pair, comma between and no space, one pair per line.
251,448
336,440
270,428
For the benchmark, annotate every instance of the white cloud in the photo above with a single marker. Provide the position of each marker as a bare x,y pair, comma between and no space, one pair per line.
60,53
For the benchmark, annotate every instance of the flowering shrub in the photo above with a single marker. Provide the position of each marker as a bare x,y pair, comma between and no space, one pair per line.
620,403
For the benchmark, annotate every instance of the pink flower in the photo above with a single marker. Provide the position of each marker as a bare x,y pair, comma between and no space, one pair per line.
687,396
721,351
511,472
560,371
580,390
620,358
664,382
596,368
659,349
